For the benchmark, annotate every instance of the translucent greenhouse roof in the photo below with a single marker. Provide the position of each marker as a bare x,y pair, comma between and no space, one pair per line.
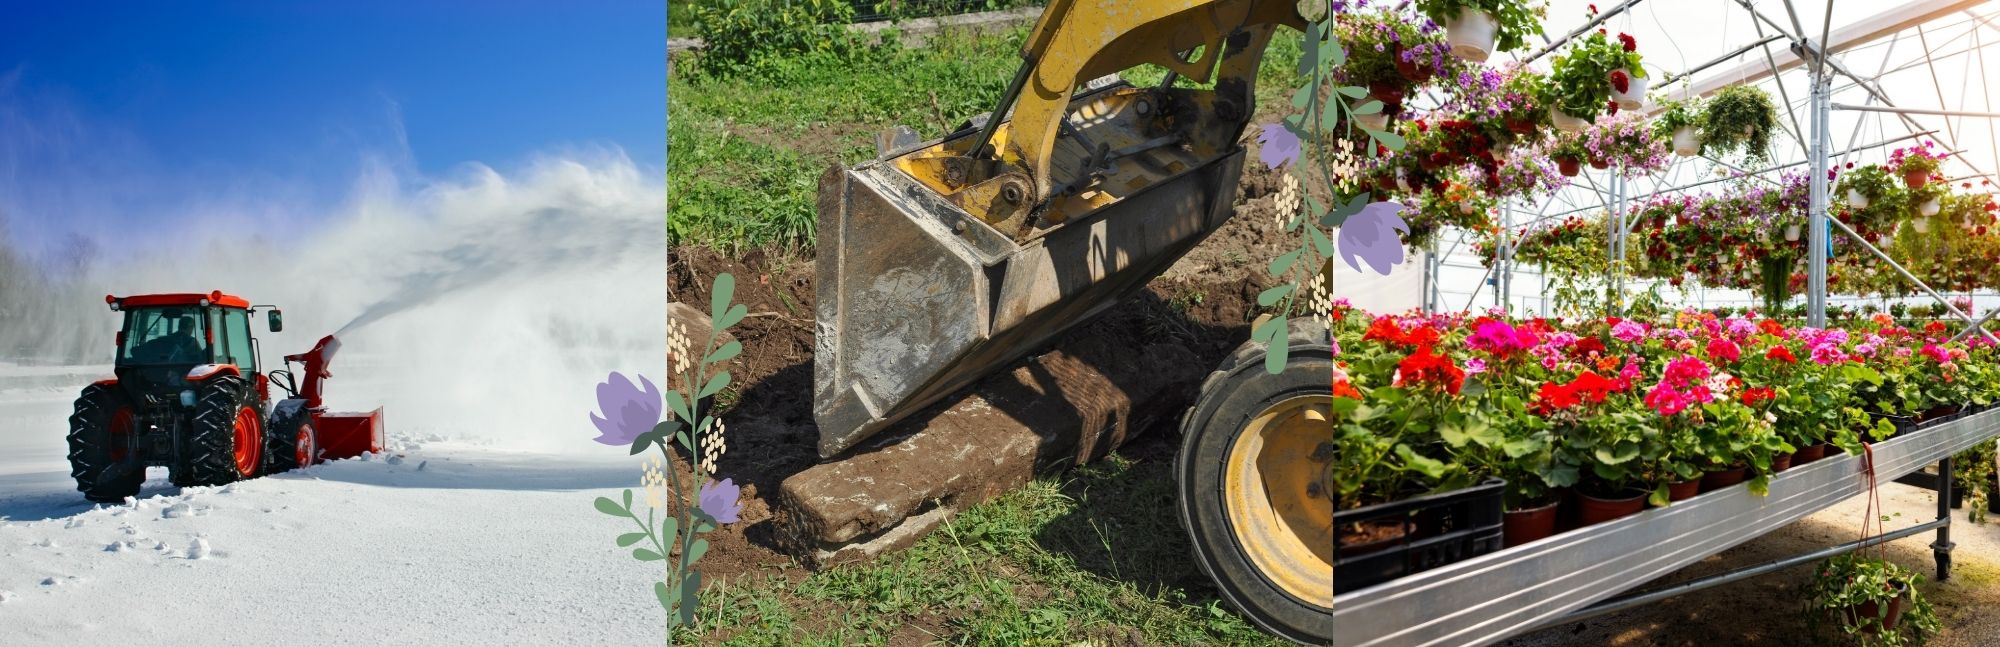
1924,55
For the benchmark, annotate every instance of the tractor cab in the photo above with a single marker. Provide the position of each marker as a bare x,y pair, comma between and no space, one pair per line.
171,342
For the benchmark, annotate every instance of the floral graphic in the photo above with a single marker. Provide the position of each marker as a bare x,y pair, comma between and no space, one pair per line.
675,513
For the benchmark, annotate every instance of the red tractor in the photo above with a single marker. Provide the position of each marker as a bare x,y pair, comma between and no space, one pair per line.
188,396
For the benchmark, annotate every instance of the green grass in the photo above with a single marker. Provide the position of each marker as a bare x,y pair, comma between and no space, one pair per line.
1098,557
747,152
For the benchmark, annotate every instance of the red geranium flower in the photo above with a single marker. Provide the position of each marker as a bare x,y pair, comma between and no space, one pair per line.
1620,80
1782,354
1345,389
1425,368
1771,327
1631,44
1751,397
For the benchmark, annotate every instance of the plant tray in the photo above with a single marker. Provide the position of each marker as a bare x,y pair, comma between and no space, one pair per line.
1437,529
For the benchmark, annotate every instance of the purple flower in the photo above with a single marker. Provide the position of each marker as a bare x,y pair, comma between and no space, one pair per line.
721,500
1371,235
1281,146
628,409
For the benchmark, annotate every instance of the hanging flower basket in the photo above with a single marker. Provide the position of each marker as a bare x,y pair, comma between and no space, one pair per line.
1566,123
1792,233
1916,178
1471,34
1920,225
1857,199
1633,97
1687,141
1569,166
1929,208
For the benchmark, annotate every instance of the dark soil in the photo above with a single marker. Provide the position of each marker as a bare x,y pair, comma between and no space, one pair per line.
1205,303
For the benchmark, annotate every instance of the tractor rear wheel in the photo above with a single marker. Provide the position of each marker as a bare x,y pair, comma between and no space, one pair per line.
293,442
225,443
100,452
1251,474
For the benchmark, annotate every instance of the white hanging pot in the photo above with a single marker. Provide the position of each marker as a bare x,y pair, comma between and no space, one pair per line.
1566,123
1634,96
1929,207
1920,225
1791,233
1471,34
1402,181
1856,199
1378,121
1467,208
1499,153
1687,142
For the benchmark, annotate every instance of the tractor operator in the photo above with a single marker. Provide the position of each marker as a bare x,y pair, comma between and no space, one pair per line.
177,347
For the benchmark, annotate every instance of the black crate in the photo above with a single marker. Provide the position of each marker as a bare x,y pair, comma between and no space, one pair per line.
1438,529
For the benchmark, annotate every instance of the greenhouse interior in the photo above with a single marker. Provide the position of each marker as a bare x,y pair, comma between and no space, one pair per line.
1655,281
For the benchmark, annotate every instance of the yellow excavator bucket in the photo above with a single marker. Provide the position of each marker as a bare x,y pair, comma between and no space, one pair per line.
941,262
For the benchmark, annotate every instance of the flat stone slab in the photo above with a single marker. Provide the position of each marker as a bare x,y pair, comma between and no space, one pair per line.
1056,410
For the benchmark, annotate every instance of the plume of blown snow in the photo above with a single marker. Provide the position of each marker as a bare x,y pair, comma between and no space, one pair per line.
484,304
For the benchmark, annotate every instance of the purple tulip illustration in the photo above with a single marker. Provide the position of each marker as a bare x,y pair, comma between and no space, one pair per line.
1281,146
628,409
721,500
1371,236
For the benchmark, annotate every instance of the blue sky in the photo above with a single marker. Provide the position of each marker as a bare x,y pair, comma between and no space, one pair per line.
119,115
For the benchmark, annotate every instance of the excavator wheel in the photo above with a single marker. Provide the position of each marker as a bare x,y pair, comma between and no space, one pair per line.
292,443
225,443
99,455
1253,476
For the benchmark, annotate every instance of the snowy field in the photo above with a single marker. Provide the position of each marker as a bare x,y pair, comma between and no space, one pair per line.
445,539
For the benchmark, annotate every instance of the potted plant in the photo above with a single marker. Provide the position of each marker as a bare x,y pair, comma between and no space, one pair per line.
1581,81
1740,117
1568,153
1916,164
1390,54
1679,122
1625,142
1872,600
1477,28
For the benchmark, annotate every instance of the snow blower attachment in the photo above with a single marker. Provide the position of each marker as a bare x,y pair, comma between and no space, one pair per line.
187,395
941,262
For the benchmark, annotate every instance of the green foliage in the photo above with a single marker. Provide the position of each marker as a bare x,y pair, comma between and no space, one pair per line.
1516,19
1972,474
1740,117
1094,557
1580,80
742,36
1675,115
1841,585
739,177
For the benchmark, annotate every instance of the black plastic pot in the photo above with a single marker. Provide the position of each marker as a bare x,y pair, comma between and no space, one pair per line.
1437,529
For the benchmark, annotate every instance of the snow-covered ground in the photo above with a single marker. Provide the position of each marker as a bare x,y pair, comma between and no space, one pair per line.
445,539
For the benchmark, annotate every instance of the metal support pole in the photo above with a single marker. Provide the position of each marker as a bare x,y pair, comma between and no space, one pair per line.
1941,549
1977,325
1816,242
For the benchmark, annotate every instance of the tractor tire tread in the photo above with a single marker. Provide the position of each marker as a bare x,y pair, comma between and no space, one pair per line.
208,454
1308,341
89,454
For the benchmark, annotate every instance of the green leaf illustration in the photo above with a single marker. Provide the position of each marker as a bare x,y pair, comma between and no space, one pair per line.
610,507
719,297
630,538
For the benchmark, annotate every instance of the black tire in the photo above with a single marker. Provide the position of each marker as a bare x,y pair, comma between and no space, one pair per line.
105,471
282,439
1230,398
208,445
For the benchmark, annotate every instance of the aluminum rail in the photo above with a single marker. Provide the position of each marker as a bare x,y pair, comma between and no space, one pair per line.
1492,597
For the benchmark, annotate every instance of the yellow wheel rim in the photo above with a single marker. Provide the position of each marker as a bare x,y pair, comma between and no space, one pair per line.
1277,503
